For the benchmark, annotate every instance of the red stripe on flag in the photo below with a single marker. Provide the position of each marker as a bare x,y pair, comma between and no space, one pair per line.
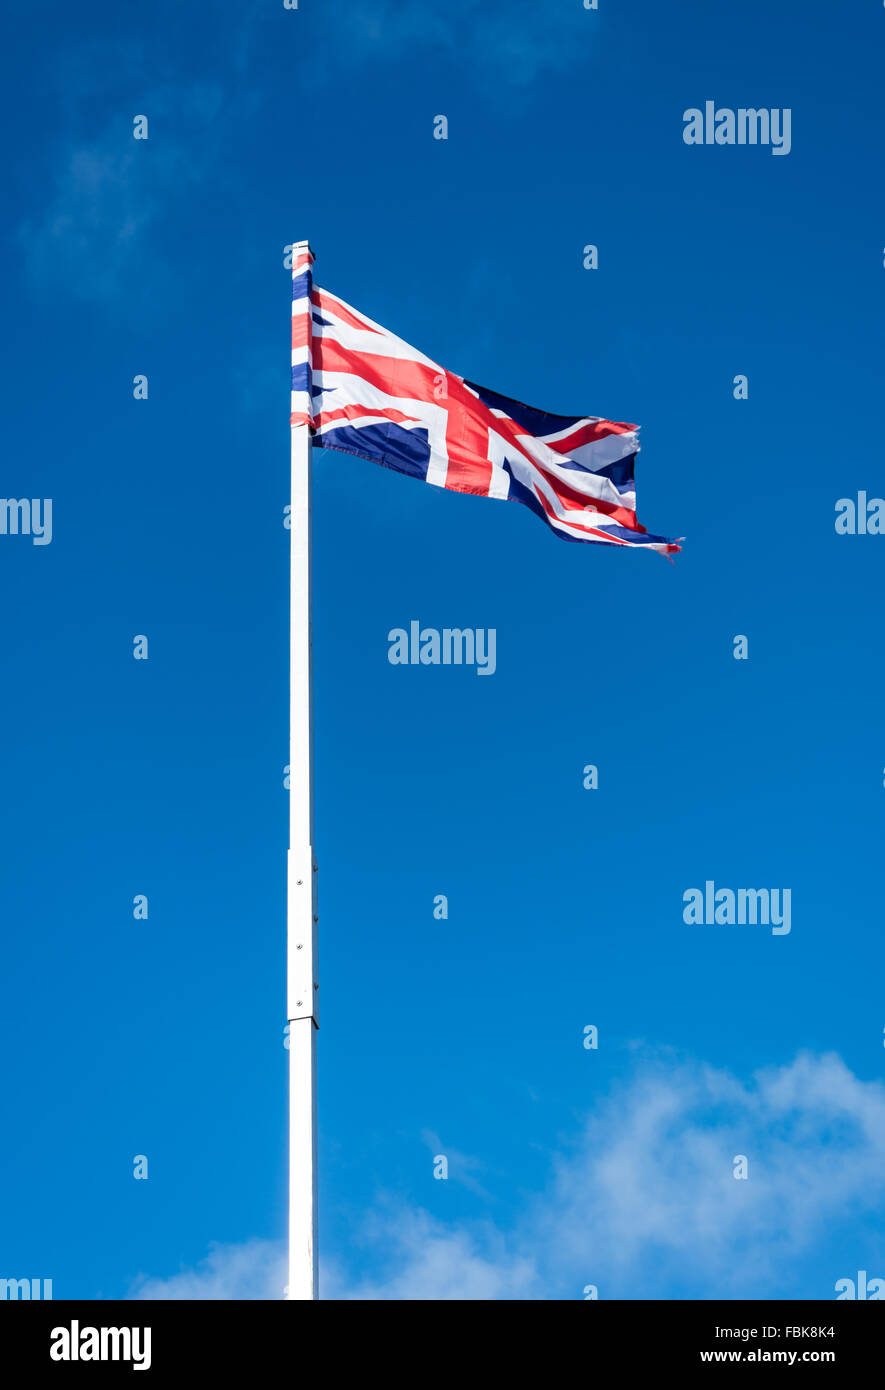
574,501
353,412
588,434
396,376
467,438
582,531
469,467
323,300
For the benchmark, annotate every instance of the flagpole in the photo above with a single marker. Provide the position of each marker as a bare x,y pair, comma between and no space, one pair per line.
302,978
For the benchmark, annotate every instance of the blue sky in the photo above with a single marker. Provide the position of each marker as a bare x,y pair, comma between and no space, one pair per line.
165,777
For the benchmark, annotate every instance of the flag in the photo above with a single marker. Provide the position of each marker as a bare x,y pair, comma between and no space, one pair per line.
364,391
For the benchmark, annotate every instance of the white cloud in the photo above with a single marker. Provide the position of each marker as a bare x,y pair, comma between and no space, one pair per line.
423,1259
254,1270
649,1195
643,1202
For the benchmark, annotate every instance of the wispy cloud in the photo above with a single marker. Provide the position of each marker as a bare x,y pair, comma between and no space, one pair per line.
513,43
643,1201
86,221
418,1257
103,196
461,1167
254,1270
648,1197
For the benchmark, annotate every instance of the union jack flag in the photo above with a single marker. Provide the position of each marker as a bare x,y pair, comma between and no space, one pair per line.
364,391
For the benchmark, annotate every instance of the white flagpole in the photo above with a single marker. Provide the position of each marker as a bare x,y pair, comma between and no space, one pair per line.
302,979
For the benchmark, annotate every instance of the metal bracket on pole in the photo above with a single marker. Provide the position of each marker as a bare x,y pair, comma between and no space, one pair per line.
302,982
